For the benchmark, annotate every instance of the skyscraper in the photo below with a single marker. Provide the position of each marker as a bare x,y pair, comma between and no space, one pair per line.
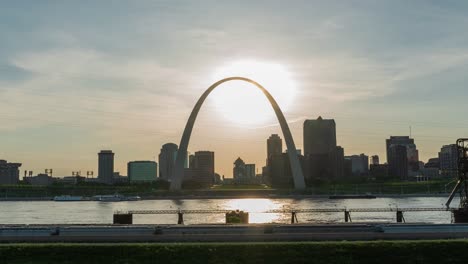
106,166
167,159
274,145
398,162
323,158
319,136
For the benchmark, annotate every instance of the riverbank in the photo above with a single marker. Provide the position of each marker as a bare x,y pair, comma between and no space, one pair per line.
427,252
230,196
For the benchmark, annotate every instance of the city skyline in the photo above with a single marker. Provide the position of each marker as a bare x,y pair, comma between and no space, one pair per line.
68,90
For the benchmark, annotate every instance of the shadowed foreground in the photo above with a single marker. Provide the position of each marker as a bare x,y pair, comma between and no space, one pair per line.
438,251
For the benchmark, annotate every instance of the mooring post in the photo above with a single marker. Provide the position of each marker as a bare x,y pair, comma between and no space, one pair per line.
399,216
180,221
293,217
347,216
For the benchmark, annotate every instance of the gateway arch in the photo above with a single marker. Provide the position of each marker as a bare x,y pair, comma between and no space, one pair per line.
178,176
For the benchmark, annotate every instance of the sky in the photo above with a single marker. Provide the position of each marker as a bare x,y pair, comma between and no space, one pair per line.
80,76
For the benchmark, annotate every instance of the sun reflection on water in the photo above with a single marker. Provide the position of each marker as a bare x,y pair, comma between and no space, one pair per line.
256,207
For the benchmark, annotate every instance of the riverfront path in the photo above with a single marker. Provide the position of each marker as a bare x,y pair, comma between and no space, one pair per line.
229,233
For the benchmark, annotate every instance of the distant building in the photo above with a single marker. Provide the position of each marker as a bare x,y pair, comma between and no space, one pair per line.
319,136
274,145
348,167
448,159
106,166
250,171
142,171
323,159
359,164
71,180
41,179
279,171
167,159
432,163
398,162
378,171
120,178
202,173
411,151
243,173
336,161
375,160
9,172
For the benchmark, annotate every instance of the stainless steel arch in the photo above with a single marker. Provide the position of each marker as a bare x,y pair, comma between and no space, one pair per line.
178,175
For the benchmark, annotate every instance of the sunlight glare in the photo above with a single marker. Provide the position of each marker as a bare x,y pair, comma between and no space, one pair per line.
255,207
242,102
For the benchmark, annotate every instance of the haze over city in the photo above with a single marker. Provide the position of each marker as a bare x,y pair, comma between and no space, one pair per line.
69,88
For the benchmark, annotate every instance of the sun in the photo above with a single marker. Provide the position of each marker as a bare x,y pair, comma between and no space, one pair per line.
243,103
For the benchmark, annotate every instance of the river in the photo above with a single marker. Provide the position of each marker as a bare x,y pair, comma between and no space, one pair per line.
92,212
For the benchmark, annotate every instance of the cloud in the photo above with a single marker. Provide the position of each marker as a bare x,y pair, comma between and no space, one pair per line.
70,84
346,77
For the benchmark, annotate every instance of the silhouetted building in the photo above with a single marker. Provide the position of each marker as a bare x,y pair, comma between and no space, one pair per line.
202,174
336,162
348,167
375,160
398,162
448,159
322,157
319,136
274,145
167,159
9,172
359,164
142,171
106,166
279,171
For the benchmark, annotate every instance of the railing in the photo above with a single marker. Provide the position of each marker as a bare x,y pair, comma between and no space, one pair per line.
347,212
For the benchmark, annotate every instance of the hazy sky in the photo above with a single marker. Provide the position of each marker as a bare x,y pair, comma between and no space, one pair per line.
80,76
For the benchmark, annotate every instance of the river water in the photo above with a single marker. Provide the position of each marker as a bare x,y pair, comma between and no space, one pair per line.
92,212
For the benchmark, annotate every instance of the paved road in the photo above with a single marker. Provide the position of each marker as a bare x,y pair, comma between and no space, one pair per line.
228,233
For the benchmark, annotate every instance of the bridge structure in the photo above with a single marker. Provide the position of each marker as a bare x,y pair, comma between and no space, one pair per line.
126,217
178,175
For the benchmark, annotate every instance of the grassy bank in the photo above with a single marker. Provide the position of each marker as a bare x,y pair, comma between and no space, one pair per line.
160,190
440,251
